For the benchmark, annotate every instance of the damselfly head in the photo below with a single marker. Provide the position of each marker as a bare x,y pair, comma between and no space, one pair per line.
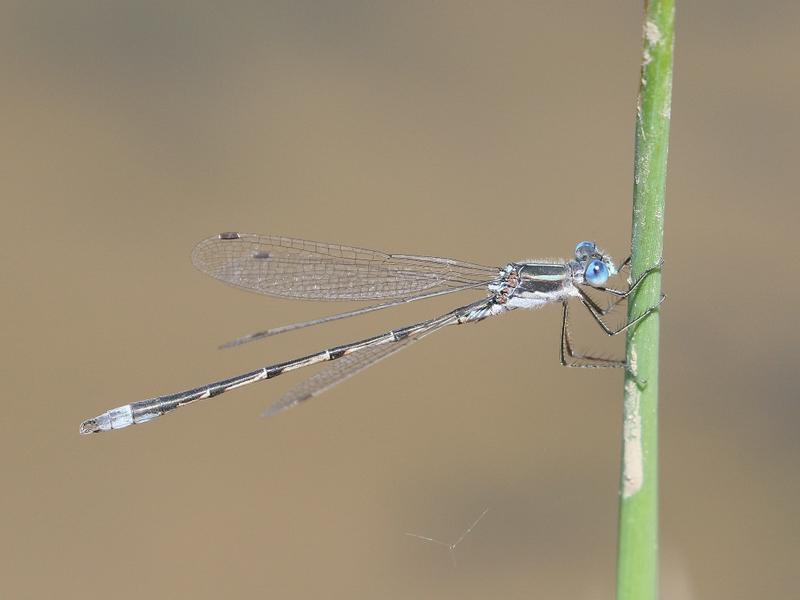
595,266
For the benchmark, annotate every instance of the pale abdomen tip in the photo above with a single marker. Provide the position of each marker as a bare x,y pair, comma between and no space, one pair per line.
89,426
116,418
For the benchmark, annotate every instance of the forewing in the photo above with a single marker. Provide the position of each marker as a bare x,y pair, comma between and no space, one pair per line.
294,268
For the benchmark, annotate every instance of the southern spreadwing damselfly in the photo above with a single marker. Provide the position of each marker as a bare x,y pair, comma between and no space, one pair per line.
293,268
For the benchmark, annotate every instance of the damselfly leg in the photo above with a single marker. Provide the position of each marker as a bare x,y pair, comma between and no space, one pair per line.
570,358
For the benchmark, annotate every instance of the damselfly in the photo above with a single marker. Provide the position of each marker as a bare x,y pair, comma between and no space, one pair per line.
294,268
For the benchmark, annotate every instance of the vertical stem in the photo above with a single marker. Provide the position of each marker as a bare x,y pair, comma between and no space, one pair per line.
637,566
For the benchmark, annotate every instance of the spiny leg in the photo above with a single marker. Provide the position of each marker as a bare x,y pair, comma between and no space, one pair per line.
597,313
611,305
567,351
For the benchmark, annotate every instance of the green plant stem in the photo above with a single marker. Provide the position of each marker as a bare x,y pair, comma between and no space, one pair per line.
637,558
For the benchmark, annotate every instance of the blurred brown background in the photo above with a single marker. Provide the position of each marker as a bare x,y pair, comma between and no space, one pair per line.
483,131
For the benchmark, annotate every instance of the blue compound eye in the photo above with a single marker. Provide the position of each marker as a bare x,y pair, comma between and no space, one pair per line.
596,273
585,249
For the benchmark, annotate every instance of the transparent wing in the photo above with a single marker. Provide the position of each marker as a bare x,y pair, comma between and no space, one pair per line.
294,268
352,364
335,373
258,335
